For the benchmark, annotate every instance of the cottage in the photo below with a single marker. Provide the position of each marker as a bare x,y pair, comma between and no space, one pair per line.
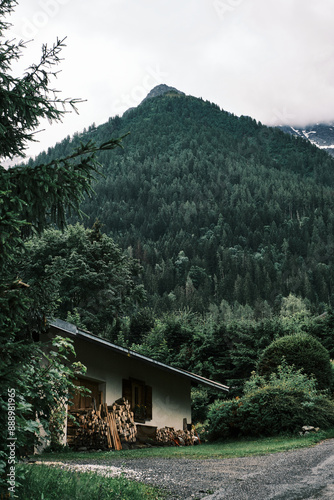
159,394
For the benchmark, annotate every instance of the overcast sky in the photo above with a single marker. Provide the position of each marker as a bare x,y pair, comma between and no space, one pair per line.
269,59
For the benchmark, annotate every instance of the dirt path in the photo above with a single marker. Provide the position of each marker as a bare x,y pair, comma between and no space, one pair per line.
303,474
294,475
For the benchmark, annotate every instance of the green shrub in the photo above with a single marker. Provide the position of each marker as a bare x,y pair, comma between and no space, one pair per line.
303,352
224,419
286,377
201,429
282,404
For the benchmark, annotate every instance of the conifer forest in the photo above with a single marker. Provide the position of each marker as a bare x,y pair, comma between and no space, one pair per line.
225,227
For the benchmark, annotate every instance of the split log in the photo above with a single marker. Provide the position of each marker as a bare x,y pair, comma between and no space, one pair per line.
114,432
105,427
171,437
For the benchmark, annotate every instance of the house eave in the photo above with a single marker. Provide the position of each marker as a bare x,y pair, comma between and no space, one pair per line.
73,331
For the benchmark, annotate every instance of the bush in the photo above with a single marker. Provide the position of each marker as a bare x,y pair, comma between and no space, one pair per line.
303,352
282,404
201,398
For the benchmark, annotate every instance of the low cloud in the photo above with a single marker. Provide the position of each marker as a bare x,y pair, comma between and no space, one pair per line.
263,58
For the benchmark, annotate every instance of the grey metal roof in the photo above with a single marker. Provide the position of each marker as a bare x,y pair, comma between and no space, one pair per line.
73,331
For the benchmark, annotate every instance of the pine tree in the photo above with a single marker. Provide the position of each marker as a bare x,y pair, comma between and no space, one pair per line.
30,199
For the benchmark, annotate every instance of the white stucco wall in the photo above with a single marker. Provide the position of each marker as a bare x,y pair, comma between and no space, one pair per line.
170,392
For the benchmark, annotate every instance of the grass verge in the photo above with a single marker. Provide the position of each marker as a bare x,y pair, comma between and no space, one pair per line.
50,483
227,449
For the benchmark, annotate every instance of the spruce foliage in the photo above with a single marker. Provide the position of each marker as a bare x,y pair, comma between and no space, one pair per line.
31,198
215,207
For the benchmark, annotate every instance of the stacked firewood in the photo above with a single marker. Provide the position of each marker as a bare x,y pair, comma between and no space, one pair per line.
106,427
169,436
101,428
87,429
124,419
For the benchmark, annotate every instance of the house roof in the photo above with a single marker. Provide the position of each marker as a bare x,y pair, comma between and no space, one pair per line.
75,332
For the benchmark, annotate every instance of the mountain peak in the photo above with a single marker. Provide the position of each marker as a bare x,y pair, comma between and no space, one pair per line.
161,90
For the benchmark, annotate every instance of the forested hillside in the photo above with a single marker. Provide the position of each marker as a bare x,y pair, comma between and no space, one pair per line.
218,209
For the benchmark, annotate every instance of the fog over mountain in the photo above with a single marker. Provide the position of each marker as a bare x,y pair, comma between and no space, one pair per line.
266,59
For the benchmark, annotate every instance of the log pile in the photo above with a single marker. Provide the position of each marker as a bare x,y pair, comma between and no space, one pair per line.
107,427
88,430
124,419
169,436
102,428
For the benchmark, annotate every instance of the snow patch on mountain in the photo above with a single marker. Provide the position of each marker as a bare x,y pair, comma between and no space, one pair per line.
319,134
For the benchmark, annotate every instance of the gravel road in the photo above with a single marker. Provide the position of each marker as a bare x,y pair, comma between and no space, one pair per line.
307,473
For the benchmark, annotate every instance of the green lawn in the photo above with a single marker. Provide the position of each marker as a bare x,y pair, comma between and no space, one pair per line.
50,483
225,449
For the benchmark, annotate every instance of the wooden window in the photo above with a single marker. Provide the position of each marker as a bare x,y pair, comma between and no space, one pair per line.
86,401
139,396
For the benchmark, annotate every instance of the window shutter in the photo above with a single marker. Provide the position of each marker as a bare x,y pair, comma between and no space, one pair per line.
127,390
148,402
